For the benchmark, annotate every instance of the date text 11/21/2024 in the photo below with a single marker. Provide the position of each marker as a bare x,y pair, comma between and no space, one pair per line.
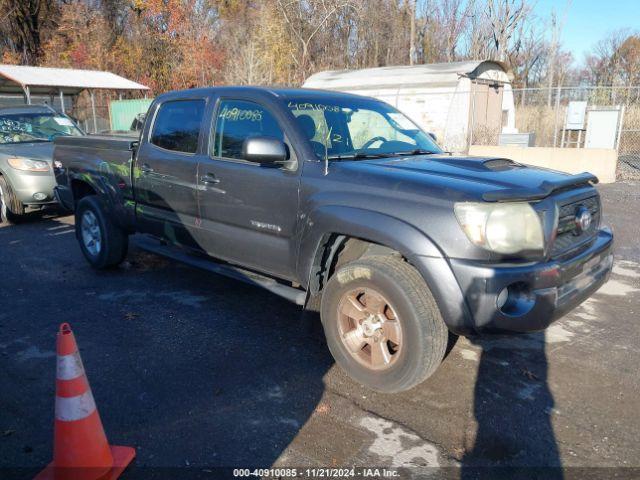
326,472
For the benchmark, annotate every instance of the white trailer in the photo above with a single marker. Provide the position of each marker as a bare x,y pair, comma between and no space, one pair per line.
461,103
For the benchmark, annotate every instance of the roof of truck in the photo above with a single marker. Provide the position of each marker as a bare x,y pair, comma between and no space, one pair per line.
26,109
279,92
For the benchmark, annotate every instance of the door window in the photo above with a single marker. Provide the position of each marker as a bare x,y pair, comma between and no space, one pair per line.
177,125
238,120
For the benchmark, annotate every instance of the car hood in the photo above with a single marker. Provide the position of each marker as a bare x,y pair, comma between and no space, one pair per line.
492,179
33,150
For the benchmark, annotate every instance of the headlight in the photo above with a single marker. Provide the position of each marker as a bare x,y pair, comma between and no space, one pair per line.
28,165
506,228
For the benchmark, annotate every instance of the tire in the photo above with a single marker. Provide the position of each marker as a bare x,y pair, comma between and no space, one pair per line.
11,209
103,244
410,317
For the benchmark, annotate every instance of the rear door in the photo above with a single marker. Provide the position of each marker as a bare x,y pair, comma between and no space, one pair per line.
166,170
249,211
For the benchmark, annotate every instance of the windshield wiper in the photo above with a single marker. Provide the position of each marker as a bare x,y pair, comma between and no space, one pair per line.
359,155
417,151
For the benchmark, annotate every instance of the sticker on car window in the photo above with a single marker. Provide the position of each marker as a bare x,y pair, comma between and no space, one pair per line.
65,122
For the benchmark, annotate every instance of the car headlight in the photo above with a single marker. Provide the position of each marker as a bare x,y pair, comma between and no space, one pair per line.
28,165
505,228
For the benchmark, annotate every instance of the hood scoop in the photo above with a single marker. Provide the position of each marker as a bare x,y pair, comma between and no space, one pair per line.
501,164
477,164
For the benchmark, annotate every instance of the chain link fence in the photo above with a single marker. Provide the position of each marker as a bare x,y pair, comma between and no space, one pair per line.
78,107
544,111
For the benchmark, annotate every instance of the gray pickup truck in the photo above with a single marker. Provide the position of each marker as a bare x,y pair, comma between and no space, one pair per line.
340,202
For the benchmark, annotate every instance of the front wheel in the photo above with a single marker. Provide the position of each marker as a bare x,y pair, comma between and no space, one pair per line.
102,242
11,209
382,324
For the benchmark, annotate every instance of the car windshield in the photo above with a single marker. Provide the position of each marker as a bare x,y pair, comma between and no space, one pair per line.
35,127
350,128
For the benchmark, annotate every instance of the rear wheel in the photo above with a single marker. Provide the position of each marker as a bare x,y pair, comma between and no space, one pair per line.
102,242
11,209
382,324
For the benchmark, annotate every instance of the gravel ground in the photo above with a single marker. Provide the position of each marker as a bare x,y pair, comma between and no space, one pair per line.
629,168
197,372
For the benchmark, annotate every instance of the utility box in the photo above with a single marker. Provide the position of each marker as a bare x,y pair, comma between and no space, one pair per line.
576,112
517,139
603,127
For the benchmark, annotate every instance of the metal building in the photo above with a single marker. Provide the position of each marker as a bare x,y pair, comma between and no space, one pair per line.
460,102
56,86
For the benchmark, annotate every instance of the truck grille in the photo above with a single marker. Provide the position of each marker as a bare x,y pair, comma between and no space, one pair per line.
567,238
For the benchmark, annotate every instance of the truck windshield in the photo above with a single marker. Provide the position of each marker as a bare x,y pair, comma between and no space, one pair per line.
347,128
35,127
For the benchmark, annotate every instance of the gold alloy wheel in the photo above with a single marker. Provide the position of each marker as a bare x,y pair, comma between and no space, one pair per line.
369,328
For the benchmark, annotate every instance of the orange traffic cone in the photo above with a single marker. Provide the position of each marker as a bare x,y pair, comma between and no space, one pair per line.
80,447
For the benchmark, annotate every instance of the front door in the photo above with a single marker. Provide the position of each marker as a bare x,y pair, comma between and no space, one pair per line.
249,211
166,171
486,112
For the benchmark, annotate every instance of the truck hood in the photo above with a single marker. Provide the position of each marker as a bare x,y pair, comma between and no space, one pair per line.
33,150
493,179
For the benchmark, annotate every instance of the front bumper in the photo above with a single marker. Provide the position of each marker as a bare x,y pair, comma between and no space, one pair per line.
26,185
543,292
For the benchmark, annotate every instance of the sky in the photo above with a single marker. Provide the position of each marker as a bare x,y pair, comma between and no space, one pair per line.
588,21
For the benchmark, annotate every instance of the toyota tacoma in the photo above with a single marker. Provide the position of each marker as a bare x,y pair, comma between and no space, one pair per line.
341,203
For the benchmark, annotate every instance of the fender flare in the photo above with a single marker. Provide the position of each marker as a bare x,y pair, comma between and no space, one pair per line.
110,197
375,227
334,223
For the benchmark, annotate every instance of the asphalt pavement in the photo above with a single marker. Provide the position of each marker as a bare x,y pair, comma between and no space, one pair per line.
198,371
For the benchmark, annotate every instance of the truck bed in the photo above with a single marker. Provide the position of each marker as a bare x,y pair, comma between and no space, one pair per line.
108,158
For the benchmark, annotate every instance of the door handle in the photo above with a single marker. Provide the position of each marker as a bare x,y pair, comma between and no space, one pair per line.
145,168
209,179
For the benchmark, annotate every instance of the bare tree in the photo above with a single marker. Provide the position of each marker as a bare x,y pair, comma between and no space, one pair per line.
381,35
305,19
528,57
504,17
478,34
22,24
629,60
614,60
411,4
448,21
556,30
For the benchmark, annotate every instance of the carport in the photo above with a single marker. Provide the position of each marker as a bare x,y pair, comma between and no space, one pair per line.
57,82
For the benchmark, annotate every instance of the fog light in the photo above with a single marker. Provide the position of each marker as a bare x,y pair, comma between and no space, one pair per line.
503,296
515,299
40,196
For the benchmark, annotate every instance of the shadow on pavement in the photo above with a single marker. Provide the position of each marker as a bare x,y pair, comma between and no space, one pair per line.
195,370
512,407
199,371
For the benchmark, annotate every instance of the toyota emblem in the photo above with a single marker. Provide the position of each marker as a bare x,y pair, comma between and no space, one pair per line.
582,220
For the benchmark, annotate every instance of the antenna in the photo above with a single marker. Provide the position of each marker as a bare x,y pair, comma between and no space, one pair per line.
326,151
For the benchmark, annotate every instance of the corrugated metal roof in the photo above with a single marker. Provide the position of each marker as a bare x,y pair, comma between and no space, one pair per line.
67,79
434,74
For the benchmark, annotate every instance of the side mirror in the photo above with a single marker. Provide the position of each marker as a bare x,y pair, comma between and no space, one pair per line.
433,136
264,150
